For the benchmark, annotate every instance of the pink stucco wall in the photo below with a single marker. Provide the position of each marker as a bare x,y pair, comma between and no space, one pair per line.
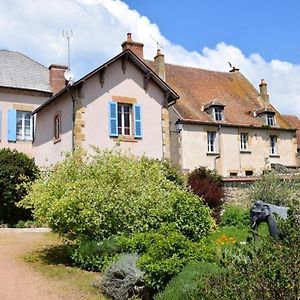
131,84
46,150
7,101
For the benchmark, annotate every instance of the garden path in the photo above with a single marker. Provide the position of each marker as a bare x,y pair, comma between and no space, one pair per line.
18,281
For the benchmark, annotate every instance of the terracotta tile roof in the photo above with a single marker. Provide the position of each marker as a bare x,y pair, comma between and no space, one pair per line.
198,87
295,122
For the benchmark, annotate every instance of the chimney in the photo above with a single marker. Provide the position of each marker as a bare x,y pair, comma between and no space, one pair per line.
57,80
159,65
135,47
263,91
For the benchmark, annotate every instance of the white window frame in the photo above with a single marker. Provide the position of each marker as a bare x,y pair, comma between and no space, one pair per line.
244,137
218,113
24,137
211,142
122,125
273,145
270,119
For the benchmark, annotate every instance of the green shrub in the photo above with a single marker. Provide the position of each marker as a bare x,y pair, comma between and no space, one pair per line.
94,255
268,270
235,216
110,193
16,170
208,185
163,254
184,285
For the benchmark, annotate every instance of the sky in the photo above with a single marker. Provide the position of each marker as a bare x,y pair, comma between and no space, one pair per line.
261,38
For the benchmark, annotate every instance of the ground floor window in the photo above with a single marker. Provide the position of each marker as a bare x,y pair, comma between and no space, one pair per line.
24,126
273,144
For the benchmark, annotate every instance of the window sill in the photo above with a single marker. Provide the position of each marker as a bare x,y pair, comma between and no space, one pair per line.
22,141
245,151
55,141
212,153
123,138
274,155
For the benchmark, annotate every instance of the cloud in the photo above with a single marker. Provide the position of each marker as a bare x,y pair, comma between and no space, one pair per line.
35,27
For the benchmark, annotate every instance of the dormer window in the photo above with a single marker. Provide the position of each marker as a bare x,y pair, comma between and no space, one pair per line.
215,109
218,113
270,119
267,114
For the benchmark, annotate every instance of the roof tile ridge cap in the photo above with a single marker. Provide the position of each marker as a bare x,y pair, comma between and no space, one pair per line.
198,68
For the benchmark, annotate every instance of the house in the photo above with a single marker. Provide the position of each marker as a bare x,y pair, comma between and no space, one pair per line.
226,124
24,86
295,121
123,102
222,122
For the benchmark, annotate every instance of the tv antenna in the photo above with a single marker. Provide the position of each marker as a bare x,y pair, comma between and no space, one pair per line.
68,35
158,45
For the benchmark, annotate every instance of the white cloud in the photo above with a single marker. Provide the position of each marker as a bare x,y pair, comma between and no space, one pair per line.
34,27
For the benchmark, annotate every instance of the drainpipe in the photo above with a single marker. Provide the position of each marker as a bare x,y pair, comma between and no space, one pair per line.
219,145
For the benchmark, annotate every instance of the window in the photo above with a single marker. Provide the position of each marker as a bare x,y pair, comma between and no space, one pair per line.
273,144
24,126
124,119
211,142
270,119
218,113
244,141
233,174
249,173
57,127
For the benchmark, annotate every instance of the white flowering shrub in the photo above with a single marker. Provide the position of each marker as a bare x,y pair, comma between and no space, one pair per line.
110,193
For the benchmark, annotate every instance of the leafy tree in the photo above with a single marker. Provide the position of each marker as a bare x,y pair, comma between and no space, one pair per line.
16,170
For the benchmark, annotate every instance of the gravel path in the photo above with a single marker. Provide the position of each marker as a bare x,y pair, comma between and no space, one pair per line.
18,280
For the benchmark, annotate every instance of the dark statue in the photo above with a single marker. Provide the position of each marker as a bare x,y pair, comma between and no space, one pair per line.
262,212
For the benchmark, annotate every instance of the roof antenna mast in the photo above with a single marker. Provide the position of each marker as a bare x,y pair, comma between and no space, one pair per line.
68,35
158,45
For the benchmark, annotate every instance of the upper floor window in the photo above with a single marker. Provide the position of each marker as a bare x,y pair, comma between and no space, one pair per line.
57,127
273,145
211,142
244,141
218,113
125,120
24,126
270,119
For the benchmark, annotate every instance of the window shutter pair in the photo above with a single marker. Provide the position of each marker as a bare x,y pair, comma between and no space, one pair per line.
113,120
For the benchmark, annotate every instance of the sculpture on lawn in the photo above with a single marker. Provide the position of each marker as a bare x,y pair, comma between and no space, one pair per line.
262,212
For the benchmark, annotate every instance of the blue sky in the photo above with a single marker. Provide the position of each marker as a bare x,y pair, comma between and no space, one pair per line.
269,27
259,37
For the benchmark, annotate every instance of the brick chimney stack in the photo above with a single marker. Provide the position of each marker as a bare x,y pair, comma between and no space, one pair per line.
135,47
159,65
263,91
56,77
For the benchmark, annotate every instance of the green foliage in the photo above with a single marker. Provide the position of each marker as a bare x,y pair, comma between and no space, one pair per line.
273,188
16,170
208,185
110,193
163,254
94,255
235,216
184,285
268,269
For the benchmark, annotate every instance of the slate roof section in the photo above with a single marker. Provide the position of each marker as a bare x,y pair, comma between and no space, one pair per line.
20,71
295,122
198,87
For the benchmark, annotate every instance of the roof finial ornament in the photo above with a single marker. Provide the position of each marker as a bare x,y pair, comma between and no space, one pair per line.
233,68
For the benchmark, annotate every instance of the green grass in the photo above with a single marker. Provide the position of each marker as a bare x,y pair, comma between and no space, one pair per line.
53,262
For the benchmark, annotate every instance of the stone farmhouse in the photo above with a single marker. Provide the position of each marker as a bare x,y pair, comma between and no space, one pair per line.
192,116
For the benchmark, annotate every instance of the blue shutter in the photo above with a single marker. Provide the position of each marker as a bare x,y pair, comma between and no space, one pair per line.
12,125
113,119
0,125
137,121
